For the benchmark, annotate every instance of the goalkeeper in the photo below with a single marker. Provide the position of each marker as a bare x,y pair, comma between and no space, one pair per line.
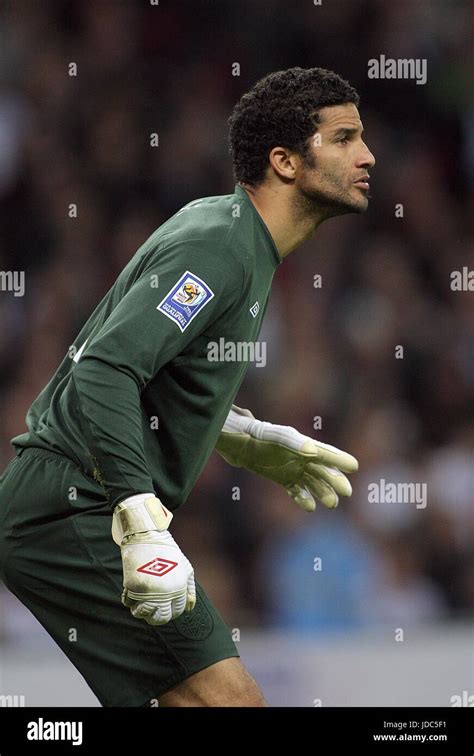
119,435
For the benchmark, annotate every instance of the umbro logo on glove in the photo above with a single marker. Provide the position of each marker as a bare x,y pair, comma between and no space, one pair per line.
158,566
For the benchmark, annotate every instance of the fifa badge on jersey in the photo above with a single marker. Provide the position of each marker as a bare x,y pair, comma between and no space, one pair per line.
185,299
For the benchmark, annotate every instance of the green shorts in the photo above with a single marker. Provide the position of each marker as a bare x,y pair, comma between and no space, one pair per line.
58,557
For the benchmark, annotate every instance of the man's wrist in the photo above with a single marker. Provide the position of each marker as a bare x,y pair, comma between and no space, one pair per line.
239,421
131,500
139,513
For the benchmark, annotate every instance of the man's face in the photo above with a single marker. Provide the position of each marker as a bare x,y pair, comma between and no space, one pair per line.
335,173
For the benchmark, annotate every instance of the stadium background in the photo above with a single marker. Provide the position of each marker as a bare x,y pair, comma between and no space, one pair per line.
308,635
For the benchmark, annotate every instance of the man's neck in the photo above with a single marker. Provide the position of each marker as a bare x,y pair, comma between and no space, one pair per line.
288,226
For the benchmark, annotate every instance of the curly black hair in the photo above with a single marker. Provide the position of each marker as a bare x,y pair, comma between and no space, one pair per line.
281,109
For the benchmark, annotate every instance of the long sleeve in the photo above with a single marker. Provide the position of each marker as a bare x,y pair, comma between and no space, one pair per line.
146,329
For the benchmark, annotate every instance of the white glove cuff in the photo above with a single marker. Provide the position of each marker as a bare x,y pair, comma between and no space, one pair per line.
139,514
238,420
279,434
242,421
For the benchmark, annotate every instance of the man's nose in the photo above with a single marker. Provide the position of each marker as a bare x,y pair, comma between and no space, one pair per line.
366,159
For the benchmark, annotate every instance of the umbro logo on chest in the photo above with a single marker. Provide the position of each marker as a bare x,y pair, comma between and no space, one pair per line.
255,309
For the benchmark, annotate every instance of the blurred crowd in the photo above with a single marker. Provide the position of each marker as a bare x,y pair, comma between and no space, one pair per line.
83,87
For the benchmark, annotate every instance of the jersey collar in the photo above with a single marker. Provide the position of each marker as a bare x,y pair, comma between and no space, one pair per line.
240,192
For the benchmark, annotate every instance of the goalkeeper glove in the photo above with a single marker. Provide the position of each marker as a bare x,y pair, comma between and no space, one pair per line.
158,580
307,469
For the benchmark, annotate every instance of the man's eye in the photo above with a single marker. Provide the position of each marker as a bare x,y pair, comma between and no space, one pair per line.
344,140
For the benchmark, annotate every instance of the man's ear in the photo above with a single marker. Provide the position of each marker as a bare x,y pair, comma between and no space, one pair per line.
284,162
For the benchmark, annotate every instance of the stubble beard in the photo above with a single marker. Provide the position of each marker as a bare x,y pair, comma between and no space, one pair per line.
313,201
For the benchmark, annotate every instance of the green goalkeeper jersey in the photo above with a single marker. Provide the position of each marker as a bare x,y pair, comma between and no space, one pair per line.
138,402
